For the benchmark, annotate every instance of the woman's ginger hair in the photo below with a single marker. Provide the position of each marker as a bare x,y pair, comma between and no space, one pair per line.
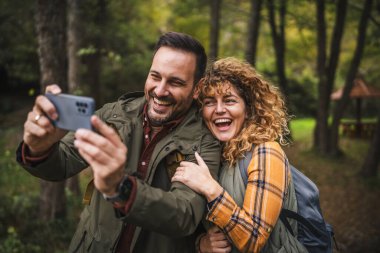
266,112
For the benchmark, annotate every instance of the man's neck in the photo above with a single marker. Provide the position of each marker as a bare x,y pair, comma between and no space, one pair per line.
156,129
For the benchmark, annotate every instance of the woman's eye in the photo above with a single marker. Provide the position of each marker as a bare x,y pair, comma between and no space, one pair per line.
208,102
230,101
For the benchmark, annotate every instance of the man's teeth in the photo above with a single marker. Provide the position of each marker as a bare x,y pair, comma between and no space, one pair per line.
219,121
161,102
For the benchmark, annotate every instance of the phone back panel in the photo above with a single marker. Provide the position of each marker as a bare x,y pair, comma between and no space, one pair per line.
73,111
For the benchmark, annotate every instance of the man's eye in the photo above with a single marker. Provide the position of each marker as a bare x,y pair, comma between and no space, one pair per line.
175,83
154,77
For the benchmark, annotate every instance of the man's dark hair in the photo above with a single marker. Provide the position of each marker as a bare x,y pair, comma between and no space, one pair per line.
188,44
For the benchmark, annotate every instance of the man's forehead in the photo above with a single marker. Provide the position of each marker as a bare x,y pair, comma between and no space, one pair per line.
174,62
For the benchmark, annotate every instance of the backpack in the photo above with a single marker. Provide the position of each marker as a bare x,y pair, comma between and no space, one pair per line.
313,232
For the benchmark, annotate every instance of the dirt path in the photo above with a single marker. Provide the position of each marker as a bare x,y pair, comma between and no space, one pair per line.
349,203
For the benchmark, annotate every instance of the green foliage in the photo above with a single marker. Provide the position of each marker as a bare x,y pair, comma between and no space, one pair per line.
20,229
18,46
123,33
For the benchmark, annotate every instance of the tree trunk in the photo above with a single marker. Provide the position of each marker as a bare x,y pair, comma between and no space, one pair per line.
330,70
321,132
326,69
278,37
355,63
372,160
51,24
253,32
214,28
74,65
74,43
94,61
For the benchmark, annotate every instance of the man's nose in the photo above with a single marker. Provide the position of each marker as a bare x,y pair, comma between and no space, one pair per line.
161,89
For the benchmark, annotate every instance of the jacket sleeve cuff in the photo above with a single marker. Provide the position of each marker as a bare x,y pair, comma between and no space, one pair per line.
222,209
24,157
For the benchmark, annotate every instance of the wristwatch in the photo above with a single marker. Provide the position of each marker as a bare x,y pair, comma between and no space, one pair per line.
124,190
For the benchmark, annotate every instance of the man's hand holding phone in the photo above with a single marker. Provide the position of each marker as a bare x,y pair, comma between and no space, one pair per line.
52,115
103,150
39,132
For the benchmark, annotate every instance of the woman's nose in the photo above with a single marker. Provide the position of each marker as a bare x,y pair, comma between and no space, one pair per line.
220,108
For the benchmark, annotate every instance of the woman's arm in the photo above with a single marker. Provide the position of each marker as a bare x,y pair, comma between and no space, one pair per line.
268,177
198,178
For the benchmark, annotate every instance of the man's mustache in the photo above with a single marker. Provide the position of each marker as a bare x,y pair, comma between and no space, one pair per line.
168,99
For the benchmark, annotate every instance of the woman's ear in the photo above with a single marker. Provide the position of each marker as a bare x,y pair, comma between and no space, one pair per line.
196,93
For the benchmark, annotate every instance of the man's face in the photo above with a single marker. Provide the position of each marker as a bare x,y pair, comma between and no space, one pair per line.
169,87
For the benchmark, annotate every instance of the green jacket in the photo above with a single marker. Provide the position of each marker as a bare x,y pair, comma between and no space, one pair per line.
166,214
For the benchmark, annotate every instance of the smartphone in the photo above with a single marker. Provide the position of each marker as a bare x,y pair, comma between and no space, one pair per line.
73,111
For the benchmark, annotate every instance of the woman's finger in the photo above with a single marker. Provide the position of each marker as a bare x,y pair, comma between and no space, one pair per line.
200,160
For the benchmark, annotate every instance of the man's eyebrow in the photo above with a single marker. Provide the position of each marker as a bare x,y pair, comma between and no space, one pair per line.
154,72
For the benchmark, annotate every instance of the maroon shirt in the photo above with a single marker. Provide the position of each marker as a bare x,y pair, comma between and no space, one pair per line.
150,141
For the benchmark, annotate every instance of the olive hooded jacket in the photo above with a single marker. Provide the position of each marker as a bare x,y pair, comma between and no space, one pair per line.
166,214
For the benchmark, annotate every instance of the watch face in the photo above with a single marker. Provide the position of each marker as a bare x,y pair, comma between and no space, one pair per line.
123,192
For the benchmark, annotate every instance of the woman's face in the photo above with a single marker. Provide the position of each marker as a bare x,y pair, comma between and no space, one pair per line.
224,112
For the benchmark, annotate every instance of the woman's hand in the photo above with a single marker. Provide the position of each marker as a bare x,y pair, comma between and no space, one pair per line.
214,241
198,178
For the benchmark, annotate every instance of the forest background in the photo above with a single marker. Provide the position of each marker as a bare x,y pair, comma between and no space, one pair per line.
103,49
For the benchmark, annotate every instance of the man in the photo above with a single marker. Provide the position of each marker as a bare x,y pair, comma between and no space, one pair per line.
134,208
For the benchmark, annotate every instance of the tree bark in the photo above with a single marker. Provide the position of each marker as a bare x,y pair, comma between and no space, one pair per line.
51,30
74,65
253,32
328,80
214,28
351,74
278,37
74,43
372,160
93,61
321,133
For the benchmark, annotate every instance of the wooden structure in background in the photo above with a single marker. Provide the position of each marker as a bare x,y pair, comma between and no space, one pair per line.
360,90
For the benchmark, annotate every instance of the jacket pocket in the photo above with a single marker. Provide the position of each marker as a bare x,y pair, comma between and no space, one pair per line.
84,243
82,239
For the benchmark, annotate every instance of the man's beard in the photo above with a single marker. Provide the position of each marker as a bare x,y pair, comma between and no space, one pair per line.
159,121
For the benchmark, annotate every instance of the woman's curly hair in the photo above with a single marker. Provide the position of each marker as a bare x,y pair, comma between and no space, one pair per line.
267,115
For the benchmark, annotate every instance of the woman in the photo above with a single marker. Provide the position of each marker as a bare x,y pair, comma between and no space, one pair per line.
247,114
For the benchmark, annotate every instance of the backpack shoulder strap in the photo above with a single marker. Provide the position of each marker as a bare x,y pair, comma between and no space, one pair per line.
243,165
